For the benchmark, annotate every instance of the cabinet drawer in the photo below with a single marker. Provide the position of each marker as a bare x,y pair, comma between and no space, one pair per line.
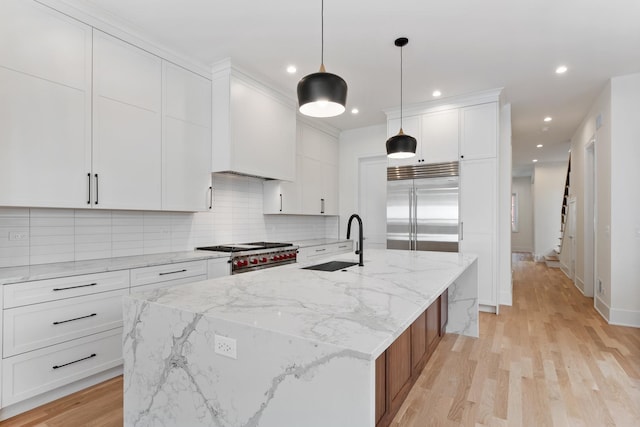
35,372
18,294
167,272
40,325
175,282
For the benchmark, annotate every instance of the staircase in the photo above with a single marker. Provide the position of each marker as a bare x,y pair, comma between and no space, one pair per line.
553,260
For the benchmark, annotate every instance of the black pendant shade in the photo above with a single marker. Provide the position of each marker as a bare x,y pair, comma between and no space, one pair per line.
322,94
401,146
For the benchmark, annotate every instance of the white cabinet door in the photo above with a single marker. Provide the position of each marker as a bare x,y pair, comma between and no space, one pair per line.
281,197
410,126
478,223
45,107
127,125
312,186
479,131
439,137
218,267
478,203
330,189
186,140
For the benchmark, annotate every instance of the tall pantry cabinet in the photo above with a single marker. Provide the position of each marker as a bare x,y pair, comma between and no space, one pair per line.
465,129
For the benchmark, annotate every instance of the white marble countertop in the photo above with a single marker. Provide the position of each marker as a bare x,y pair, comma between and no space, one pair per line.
62,269
317,242
362,309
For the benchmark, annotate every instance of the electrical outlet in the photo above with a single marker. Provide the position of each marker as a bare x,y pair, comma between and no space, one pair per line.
225,346
16,235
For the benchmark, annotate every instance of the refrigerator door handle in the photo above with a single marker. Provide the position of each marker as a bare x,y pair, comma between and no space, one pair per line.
415,219
410,219
461,230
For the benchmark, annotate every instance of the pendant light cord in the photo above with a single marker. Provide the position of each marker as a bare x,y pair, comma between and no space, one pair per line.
400,88
322,33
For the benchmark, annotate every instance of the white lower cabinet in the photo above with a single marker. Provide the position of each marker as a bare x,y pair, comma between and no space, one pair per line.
40,325
218,267
167,273
35,372
311,253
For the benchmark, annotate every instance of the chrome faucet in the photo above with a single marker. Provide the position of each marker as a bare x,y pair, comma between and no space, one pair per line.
359,248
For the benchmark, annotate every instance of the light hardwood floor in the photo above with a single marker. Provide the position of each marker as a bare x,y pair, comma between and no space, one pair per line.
549,360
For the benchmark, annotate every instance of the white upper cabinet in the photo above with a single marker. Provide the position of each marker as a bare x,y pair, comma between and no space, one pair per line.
45,107
186,140
254,129
127,125
479,131
411,126
439,137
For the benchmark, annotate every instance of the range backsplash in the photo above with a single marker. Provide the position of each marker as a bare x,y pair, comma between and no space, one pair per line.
58,235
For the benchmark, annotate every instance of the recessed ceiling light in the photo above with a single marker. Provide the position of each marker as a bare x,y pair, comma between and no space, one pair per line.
561,69
291,69
436,93
539,146
354,111
535,160
547,119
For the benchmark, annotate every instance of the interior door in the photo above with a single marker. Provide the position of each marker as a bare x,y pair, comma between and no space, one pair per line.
399,196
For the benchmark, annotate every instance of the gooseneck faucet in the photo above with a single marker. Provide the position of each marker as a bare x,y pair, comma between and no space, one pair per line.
359,249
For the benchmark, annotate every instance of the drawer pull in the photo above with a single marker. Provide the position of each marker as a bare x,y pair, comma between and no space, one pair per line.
77,318
320,250
75,361
172,272
342,247
74,287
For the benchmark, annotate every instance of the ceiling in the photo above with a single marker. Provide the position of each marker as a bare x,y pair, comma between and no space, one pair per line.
456,46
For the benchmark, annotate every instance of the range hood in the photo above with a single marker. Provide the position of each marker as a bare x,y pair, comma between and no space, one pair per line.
253,126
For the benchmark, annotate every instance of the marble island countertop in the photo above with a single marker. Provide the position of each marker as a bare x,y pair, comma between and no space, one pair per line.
362,309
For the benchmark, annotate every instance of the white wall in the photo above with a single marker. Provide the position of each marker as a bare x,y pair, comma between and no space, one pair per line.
354,145
625,200
505,284
580,140
522,241
59,235
548,192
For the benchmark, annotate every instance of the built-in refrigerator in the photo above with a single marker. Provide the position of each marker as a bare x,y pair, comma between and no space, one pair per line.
422,207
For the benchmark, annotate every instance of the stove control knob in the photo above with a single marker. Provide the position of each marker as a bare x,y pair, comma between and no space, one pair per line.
254,261
292,255
264,259
243,263
236,263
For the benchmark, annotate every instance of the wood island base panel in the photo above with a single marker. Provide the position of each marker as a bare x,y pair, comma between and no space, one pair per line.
292,346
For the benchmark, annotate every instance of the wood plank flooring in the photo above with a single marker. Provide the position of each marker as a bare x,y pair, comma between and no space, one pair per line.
549,360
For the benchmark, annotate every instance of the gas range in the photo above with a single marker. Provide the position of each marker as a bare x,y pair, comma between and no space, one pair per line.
253,256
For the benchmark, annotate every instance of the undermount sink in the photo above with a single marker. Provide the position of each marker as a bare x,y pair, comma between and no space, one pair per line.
331,266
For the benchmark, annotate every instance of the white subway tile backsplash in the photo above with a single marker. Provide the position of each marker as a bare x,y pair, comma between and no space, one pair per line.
58,235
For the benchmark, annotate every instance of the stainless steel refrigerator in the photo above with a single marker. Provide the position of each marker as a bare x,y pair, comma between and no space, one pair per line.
422,207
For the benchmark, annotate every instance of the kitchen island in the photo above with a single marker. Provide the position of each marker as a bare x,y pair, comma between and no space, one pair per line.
303,343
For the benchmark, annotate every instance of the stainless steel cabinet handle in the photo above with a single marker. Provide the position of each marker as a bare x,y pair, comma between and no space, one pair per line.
410,219
342,247
75,361
211,197
320,250
321,205
280,202
96,175
172,272
76,318
89,180
74,287
462,231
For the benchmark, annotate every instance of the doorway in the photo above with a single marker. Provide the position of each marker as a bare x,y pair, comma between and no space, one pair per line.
589,217
372,200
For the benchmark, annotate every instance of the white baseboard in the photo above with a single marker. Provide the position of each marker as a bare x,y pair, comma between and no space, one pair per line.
624,318
520,249
487,308
564,269
602,308
50,396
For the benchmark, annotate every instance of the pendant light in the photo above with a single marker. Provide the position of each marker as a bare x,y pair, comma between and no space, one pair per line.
401,146
322,94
